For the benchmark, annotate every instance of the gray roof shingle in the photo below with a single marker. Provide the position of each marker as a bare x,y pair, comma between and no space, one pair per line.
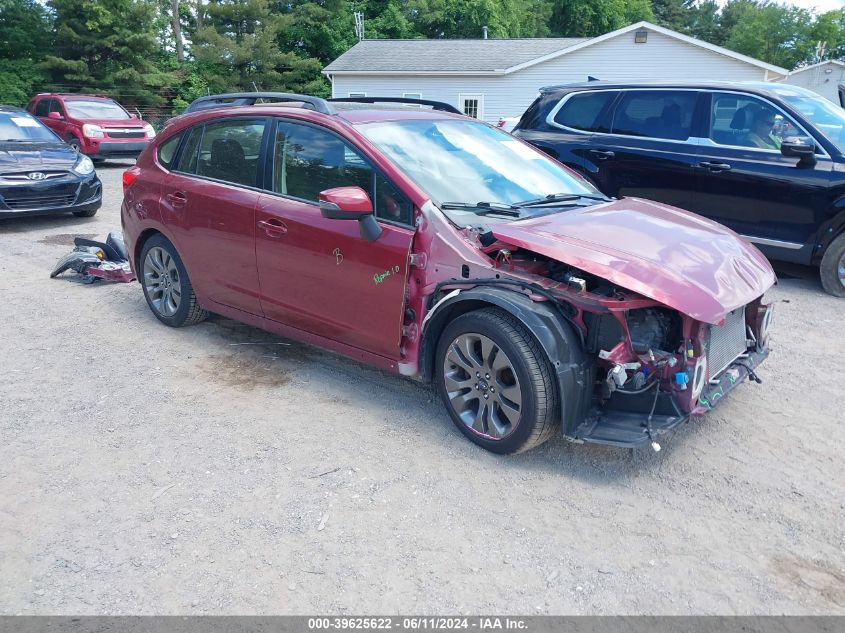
446,55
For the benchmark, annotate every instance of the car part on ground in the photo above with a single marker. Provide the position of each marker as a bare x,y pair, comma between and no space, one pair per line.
95,260
765,159
533,301
39,174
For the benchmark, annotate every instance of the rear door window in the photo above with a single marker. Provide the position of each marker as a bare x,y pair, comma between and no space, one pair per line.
583,111
657,114
227,150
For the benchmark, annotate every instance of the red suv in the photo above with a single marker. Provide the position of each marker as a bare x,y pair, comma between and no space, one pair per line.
438,247
94,125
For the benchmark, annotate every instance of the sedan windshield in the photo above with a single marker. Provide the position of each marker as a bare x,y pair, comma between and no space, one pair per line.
828,118
81,109
22,127
469,168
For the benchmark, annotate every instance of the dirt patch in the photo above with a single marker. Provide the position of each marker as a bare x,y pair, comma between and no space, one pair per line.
818,576
245,371
65,239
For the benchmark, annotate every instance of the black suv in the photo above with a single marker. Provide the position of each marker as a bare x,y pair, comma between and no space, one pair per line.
767,160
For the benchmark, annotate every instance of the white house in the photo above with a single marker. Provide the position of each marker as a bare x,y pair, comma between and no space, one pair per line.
824,78
493,78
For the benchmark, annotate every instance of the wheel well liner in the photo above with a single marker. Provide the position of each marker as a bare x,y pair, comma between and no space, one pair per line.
563,348
142,238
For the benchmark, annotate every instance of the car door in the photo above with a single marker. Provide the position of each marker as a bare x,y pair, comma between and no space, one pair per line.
756,191
208,202
566,133
318,274
648,150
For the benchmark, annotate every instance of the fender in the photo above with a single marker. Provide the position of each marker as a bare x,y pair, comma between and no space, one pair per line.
830,229
562,346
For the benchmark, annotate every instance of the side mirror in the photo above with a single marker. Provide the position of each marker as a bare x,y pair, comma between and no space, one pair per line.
351,203
801,147
55,116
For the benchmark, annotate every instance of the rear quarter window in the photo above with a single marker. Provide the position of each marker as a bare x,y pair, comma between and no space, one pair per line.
167,151
584,111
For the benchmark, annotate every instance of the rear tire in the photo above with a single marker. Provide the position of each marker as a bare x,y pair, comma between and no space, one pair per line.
496,382
832,269
167,287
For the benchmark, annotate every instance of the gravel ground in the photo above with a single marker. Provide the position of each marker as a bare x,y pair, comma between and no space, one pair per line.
145,470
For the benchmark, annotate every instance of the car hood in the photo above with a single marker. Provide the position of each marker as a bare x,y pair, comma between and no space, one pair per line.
121,123
682,260
52,154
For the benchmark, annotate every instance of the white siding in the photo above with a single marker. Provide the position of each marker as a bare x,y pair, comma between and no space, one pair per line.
821,81
618,59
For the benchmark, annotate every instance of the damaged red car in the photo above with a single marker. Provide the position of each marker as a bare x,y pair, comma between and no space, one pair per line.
435,246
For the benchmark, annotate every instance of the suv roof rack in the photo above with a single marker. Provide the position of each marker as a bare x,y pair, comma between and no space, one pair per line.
249,98
434,105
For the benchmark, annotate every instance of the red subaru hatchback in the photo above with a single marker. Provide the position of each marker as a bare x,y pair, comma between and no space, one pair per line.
436,246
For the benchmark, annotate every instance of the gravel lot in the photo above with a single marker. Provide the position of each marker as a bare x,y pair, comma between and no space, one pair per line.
146,470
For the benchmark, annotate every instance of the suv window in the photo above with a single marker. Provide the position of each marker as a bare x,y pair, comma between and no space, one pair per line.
583,111
746,121
228,151
308,160
660,114
56,106
42,108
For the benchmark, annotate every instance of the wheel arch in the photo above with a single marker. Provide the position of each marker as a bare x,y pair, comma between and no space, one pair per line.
572,368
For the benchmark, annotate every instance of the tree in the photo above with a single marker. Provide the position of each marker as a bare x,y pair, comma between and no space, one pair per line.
778,34
467,18
106,46
829,30
24,39
238,43
588,18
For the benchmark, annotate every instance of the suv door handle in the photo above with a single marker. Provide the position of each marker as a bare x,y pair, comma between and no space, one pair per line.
273,228
177,199
715,167
602,154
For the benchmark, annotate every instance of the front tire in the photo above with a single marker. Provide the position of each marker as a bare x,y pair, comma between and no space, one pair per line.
832,269
167,287
88,213
496,382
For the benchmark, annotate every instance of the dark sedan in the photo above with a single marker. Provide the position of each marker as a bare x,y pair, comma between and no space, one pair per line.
39,173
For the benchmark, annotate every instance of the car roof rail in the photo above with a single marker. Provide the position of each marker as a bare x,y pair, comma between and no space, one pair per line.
250,98
434,105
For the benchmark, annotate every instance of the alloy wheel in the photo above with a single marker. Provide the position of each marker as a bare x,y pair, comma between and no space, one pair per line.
161,281
482,386
841,270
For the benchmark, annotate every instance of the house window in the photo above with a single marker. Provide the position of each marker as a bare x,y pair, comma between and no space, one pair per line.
472,105
357,94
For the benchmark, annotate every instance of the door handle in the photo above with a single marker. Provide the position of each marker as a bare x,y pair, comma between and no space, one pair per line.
602,154
177,199
273,228
715,167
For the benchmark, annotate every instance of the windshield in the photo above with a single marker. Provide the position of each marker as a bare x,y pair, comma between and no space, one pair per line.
80,109
825,115
22,126
457,161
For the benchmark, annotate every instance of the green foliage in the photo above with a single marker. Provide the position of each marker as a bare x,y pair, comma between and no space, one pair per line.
127,48
106,46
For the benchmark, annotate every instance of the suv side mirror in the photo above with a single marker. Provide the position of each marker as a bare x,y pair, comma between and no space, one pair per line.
800,147
351,203
55,116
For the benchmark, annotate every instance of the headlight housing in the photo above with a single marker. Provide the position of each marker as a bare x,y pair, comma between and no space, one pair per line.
83,166
149,131
90,130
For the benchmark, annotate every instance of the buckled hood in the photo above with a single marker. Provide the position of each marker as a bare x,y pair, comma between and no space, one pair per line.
682,260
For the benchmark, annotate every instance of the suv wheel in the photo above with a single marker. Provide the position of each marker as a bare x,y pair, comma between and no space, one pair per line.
496,382
74,143
166,285
832,269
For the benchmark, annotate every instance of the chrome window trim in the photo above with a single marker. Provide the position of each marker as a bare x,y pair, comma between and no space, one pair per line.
776,243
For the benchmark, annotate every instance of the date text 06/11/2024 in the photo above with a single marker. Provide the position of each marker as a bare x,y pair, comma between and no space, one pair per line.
422,623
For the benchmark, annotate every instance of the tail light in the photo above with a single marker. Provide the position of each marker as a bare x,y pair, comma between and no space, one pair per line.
130,176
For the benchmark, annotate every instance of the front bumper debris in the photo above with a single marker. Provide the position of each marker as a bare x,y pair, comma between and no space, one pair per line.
627,427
